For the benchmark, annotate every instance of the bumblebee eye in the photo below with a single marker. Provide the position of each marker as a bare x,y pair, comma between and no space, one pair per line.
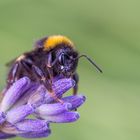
63,59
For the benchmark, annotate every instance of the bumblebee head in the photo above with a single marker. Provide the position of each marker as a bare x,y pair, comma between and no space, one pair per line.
63,51
51,42
66,62
66,55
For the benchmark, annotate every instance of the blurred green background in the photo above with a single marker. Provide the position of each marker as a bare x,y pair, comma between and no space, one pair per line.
106,30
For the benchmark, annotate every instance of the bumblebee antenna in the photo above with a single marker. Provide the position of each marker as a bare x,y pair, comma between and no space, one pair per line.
91,61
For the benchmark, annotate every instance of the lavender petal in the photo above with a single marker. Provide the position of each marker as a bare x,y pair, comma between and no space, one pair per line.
59,88
2,117
18,114
63,85
25,97
26,126
76,100
32,125
36,134
14,92
9,128
38,97
5,136
53,109
65,117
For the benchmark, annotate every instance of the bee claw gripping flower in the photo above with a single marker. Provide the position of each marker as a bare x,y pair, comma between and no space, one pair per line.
25,98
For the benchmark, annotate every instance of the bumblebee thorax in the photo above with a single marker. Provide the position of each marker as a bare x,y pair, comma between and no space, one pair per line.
56,40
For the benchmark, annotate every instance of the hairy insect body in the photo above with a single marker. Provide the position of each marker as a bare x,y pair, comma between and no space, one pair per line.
53,56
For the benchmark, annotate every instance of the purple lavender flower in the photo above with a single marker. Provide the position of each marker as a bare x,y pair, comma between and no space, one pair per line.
25,98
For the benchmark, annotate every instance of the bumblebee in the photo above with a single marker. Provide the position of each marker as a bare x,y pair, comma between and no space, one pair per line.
52,56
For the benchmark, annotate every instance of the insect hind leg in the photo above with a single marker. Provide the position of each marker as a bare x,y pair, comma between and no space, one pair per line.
76,79
13,74
40,75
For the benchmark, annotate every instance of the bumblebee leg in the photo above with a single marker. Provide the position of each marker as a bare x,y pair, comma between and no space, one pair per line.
39,73
50,72
35,71
16,70
53,95
49,66
25,66
49,60
13,74
76,79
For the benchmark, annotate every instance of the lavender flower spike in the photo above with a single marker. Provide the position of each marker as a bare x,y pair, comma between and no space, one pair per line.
2,117
18,114
76,101
26,98
61,113
26,126
65,117
53,109
36,134
14,93
60,87
32,125
6,136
